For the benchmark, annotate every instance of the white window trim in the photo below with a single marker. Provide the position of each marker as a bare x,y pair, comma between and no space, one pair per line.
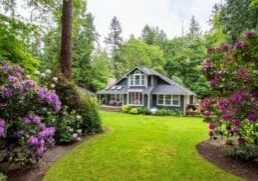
142,104
132,77
171,100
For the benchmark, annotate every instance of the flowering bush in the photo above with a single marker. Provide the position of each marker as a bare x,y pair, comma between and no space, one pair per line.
232,72
23,107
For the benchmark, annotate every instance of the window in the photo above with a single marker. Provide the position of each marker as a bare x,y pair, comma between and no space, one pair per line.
168,100
135,98
175,100
160,99
137,79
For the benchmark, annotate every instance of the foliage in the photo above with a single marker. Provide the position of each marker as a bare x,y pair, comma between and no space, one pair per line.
247,152
114,42
168,112
184,57
164,144
194,29
12,45
137,53
144,111
232,72
237,17
23,107
153,36
133,110
84,105
125,108
2,177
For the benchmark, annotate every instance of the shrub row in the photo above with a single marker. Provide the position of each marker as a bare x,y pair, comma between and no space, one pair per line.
146,111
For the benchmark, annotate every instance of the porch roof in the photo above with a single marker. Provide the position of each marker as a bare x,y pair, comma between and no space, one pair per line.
170,89
124,90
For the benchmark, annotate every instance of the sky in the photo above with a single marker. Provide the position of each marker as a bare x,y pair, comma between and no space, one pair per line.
169,15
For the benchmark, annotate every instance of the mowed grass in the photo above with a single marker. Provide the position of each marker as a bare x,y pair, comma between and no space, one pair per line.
140,148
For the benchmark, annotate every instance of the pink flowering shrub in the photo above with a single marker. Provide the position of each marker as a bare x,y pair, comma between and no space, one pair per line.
23,107
233,75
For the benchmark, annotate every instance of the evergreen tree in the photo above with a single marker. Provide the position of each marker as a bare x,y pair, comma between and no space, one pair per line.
153,36
194,29
114,42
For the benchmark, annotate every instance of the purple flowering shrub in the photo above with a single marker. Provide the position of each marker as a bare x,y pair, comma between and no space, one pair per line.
23,108
232,109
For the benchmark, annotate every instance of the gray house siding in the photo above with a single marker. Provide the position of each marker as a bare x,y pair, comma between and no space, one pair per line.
145,101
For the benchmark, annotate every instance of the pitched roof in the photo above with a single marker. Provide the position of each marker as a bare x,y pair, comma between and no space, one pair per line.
173,87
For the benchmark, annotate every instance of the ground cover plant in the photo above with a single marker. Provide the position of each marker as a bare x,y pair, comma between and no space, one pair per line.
139,147
232,108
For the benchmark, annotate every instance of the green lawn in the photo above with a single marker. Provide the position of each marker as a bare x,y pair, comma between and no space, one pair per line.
140,148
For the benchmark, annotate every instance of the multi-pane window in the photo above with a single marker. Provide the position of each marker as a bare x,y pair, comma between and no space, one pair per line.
160,99
168,100
175,100
137,79
135,98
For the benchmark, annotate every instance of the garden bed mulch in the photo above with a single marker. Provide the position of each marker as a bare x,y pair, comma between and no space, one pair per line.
37,172
216,154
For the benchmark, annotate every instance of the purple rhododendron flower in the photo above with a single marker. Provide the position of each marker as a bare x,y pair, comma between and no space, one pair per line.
206,103
241,140
33,141
243,74
252,116
5,67
224,47
40,151
2,123
234,130
50,97
250,34
236,122
6,92
12,78
1,131
214,82
48,132
211,50
228,115
241,44
207,66
238,97
32,118
207,113
212,125
223,104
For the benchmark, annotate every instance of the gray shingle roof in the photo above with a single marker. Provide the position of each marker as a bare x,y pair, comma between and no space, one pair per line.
174,87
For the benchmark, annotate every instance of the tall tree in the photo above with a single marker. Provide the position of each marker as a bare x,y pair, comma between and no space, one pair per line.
154,36
114,42
194,29
66,39
238,16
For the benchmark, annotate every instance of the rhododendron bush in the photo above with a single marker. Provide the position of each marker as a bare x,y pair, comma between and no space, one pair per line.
23,107
232,109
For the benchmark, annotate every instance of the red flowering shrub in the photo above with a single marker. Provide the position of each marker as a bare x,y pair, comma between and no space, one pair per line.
233,75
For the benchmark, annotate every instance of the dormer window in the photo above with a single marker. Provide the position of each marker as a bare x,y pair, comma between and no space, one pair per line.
137,79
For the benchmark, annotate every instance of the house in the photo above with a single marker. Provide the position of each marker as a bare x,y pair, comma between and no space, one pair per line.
144,87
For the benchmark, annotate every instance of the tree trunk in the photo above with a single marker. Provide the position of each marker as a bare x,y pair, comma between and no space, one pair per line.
66,40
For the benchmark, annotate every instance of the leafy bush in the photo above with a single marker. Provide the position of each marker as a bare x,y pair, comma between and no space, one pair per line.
125,108
232,72
23,107
2,177
244,152
133,110
145,111
68,126
83,105
168,112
